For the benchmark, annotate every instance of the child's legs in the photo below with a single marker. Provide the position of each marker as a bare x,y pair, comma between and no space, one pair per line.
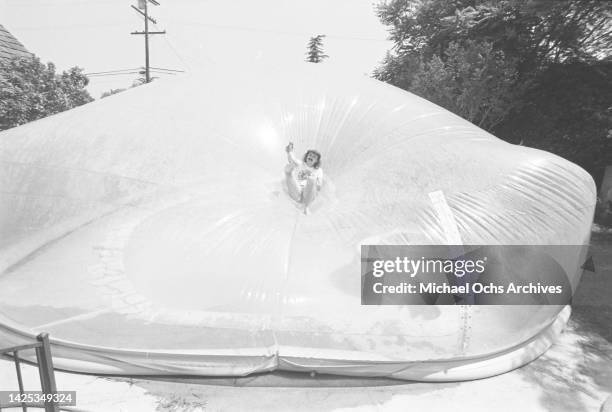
310,191
294,189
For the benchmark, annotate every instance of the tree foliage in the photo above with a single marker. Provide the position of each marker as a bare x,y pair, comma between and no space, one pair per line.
111,92
472,79
314,53
505,64
31,90
567,111
536,32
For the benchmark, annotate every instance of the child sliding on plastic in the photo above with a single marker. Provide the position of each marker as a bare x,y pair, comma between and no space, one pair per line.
304,178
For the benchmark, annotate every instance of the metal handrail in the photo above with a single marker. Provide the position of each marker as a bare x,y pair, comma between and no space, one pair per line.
44,361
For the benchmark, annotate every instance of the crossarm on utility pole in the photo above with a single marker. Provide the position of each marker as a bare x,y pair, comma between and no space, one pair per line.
151,32
143,15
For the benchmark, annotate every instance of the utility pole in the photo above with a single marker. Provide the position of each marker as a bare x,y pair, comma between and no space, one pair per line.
143,5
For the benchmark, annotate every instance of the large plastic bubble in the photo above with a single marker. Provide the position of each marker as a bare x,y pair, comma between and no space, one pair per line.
150,232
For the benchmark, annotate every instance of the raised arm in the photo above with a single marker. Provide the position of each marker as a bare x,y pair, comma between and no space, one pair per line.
290,156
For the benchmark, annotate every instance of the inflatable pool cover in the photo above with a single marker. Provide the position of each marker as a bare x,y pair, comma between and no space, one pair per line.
149,233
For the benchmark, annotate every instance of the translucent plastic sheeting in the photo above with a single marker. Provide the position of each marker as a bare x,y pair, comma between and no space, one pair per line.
150,232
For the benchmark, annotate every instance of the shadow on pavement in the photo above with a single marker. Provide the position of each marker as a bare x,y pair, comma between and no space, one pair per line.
580,364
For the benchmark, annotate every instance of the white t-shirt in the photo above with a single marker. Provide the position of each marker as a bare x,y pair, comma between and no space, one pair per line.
303,172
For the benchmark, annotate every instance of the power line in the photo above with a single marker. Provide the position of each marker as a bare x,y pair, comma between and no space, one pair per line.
272,31
54,3
169,70
68,27
176,53
158,72
111,71
98,80
113,74
136,71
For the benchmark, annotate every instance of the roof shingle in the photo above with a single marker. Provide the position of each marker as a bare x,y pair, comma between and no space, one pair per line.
11,47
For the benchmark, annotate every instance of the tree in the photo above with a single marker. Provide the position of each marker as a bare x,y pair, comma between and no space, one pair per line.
537,32
568,111
529,34
491,62
315,52
472,80
30,90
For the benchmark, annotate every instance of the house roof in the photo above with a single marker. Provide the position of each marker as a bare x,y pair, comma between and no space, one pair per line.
11,47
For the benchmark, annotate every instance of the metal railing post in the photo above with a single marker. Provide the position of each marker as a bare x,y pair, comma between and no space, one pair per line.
45,367
19,378
45,371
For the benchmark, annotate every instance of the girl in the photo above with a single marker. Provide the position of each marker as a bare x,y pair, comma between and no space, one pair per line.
305,178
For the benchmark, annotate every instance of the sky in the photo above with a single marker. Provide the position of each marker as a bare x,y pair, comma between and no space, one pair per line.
95,34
